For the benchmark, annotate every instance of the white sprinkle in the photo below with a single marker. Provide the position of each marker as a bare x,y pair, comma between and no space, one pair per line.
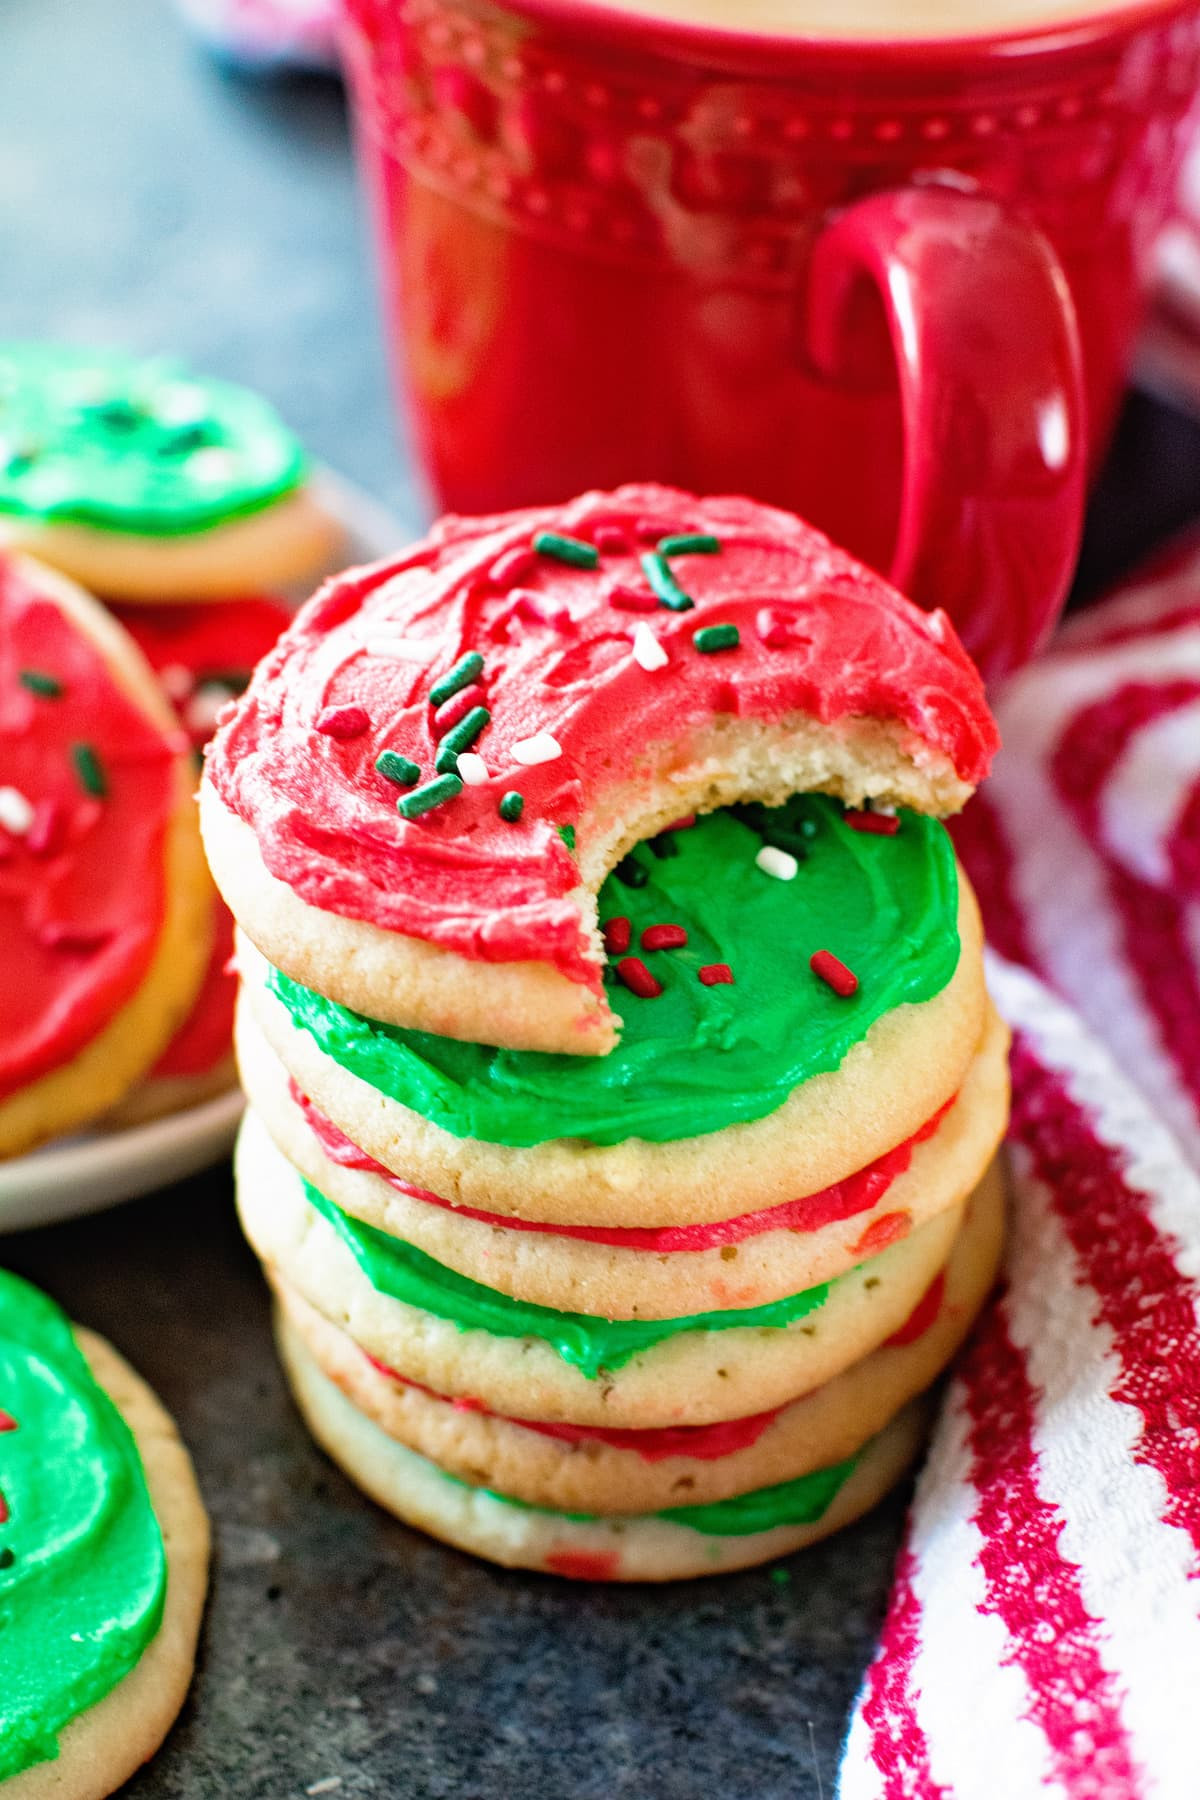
177,680
16,814
540,748
204,708
779,863
472,768
330,1785
888,812
647,651
212,465
395,649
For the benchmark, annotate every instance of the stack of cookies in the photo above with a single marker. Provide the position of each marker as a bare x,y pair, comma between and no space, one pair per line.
624,1087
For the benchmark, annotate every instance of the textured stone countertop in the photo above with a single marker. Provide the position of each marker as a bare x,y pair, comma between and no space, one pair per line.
147,199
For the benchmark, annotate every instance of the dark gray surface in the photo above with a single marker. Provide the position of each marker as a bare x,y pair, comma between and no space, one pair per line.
145,199
339,1644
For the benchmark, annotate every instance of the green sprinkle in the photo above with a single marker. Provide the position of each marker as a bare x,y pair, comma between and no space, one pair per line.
631,872
711,638
664,583
47,686
566,549
460,737
780,1577
467,669
512,805
424,799
567,834
89,769
699,543
394,767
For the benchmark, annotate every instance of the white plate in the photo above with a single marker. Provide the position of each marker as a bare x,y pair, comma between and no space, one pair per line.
83,1174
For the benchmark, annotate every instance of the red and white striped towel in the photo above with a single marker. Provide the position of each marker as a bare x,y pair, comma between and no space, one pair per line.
1043,1633
1084,846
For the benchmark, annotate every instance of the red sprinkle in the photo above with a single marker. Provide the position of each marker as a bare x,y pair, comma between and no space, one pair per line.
512,566
664,937
638,979
528,605
46,834
7,1422
343,722
712,974
617,934
650,530
683,824
611,540
833,973
882,824
457,707
772,628
632,599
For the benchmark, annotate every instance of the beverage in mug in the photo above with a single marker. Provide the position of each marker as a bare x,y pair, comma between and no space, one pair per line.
885,278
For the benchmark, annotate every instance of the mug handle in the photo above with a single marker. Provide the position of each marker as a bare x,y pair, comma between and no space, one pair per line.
986,344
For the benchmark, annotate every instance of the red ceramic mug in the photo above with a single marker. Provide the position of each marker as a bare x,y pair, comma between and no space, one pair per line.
890,285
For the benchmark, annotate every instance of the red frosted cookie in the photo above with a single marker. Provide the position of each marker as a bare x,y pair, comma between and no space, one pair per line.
203,654
413,806
105,907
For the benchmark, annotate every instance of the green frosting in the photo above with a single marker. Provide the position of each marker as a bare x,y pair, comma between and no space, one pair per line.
799,1502
698,1058
590,1344
92,437
82,1568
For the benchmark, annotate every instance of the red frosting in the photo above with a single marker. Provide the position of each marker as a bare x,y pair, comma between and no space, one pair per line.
216,643
922,1315
705,1442
856,1193
212,643
82,891
205,1038
819,634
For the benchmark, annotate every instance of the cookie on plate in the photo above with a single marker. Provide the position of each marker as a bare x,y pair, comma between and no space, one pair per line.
203,655
105,903
103,1559
146,482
